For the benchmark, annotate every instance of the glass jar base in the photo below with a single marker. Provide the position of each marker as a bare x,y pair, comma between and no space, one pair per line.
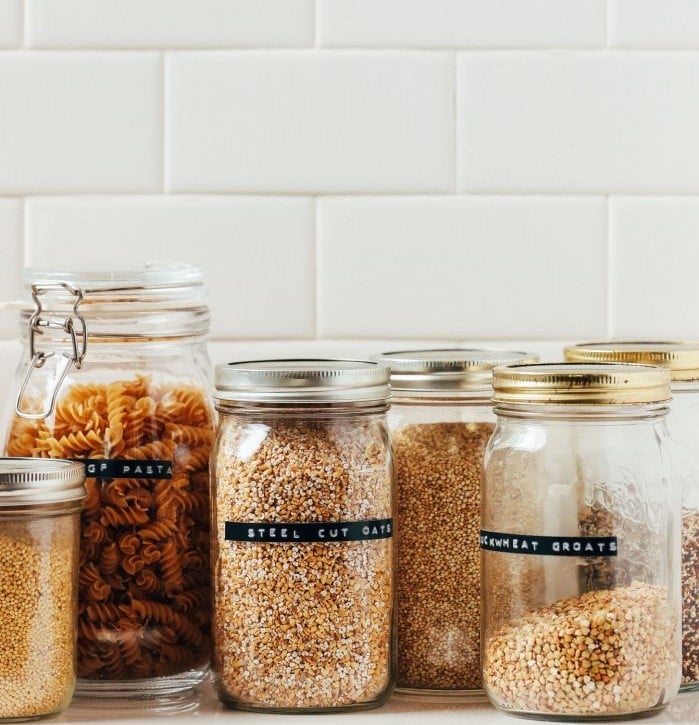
689,687
454,696
602,717
247,707
151,687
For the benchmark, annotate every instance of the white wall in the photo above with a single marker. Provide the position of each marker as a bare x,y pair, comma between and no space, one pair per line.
386,171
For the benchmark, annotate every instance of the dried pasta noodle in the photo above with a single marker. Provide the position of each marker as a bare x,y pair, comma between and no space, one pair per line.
144,583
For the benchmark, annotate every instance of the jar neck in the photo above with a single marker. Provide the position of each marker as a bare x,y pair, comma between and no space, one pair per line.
302,410
434,398
582,413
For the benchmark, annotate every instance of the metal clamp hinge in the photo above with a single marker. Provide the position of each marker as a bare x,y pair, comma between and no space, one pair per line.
73,325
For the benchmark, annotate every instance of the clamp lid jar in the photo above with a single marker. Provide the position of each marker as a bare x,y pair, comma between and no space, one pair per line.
40,502
580,541
303,558
115,373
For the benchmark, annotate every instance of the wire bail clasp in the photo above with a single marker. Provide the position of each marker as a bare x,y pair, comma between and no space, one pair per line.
73,325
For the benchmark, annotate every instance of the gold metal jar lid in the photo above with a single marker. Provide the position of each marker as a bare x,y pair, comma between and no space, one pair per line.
681,357
581,384
451,369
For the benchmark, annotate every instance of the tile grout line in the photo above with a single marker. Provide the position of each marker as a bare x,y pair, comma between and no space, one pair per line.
316,25
607,23
609,296
24,227
25,24
455,123
316,269
164,141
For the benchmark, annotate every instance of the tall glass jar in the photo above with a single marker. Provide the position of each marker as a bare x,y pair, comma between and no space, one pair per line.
115,372
682,358
40,505
440,419
580,540
302,551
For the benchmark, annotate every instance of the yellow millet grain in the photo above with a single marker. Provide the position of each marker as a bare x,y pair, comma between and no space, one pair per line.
607,652
37,612
438,475
304,625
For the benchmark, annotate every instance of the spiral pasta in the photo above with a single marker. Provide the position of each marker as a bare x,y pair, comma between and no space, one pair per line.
144,581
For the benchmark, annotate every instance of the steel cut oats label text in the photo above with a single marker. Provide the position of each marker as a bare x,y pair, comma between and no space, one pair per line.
299,533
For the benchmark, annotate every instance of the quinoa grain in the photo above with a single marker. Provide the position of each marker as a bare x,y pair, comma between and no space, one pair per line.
438,476
690,599
37,611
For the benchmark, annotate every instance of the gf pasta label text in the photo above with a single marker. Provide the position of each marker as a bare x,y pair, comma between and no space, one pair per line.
282,533
549,545
124,468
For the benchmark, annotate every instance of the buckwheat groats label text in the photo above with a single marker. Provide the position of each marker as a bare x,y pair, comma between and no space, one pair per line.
304,533
548,545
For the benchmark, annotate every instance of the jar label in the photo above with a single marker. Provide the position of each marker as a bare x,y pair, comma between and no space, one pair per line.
125,468
324,531
548,545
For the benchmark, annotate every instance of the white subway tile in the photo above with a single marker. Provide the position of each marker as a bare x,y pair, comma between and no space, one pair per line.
10,23
578,122
482,267
462,23
310,122
11,267
654,262
654,23
80,122
257,253
169,23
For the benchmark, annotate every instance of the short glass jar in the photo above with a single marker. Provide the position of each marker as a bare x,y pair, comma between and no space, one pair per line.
440,420
302,551
682,359
115,372
40,504
580,540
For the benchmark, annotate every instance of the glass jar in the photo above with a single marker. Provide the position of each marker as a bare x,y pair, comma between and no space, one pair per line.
580,540
303,569
40,505
682,358
115,372
440,420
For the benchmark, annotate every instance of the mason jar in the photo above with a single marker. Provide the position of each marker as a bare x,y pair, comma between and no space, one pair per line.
115,372
682,358
580,539
40,505
440,420
302,550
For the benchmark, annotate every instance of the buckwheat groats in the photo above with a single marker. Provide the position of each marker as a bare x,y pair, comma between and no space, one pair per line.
438,469
606,652
303,556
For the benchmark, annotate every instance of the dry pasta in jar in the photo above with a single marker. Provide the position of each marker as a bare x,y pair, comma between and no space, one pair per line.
135,409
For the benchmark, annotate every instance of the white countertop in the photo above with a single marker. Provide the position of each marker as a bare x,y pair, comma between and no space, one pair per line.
204,706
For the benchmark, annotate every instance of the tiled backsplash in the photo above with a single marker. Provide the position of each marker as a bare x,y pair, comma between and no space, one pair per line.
364,170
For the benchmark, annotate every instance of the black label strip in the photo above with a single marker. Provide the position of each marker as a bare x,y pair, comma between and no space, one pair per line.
549,545
281,533
124,468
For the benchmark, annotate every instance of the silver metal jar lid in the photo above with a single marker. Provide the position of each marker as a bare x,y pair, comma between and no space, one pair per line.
40,480
449,369
302,381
